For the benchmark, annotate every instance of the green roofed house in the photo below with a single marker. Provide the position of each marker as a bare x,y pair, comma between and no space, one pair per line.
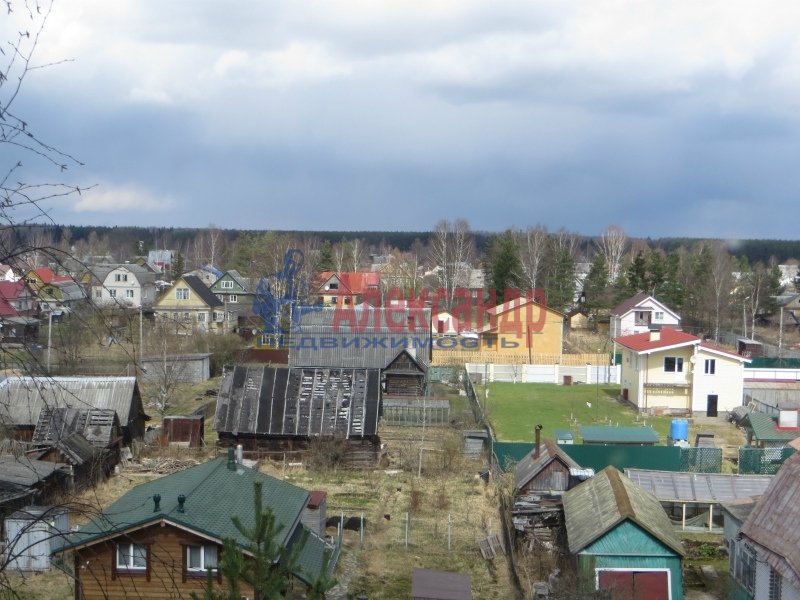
635,436
160,538
622,539
763,431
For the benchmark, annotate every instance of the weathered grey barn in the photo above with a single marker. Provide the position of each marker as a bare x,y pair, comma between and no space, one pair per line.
273,409
22,399
395,340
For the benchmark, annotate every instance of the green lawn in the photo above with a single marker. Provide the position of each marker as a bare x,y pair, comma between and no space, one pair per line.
515,409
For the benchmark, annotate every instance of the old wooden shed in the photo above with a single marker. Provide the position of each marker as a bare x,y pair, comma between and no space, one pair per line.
622,540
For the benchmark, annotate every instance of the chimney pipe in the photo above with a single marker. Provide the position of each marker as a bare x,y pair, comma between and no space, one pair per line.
536,449
239,455
156,503
181,502
231,458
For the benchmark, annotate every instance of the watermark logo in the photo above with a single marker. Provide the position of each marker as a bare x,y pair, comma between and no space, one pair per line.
458,318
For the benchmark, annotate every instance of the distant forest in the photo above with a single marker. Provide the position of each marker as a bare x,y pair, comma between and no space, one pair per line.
137,239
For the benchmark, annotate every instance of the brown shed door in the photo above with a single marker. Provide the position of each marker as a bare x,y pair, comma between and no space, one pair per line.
635,585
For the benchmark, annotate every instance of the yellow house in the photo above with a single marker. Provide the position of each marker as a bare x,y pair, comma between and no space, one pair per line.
192,307
523,327
672,371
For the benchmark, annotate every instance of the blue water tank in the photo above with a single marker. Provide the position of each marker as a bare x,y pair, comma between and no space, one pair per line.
679,429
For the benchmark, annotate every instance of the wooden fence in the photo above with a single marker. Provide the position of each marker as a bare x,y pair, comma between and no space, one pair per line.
461,357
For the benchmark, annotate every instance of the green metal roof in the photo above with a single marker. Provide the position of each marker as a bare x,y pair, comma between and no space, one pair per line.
214,493
594,434
599,505
765,428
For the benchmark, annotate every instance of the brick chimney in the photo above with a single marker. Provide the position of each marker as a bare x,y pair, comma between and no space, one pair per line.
536,448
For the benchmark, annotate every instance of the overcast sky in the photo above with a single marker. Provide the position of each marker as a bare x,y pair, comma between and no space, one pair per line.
668,118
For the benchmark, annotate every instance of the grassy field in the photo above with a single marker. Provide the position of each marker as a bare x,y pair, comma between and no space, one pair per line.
515,409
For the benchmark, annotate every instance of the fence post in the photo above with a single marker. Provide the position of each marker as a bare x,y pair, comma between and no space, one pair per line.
449,531
407,519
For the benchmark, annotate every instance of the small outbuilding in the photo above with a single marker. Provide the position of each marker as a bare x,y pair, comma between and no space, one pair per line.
546,468
622,540
631,436
31,535
763,431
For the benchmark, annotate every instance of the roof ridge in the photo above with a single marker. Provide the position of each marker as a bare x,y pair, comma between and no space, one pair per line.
621,497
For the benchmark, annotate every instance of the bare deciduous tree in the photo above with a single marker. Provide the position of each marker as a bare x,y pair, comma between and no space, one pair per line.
533,251
611,245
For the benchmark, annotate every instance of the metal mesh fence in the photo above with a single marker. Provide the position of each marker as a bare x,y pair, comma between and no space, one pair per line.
762,461
701,460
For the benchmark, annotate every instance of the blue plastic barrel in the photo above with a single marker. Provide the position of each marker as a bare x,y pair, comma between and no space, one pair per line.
679,429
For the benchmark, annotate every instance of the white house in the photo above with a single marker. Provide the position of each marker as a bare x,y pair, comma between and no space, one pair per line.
125,285
669,370
641,313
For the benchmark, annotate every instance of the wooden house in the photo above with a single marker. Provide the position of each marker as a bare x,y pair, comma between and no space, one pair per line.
641,313
623,542
770,536
347,289
161,538
22,400
523,327
237,294
191,307
87,462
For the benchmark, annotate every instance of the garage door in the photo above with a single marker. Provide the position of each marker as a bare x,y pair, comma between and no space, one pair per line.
635,585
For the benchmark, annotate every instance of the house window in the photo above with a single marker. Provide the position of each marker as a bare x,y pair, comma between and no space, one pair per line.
347,300
333,300
131,557
746,568
129,293
201,558
120,277
658,315
182,294
334,285
112,293
98,293
233,298
226,285
201,317
711,366
774,585
673,364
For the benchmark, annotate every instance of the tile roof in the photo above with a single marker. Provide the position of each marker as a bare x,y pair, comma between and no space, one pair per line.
667,338
774,523
599,504
204,486
353,282
11,290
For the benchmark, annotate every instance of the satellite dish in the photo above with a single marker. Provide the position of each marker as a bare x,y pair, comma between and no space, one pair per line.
693,359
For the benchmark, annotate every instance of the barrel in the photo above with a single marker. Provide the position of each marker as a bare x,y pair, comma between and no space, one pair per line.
679,429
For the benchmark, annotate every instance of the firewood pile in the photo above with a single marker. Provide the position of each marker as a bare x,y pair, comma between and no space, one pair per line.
162,466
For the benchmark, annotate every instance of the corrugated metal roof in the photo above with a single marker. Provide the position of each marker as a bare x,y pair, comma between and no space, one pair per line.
27,472
765,428
364,337
202,291
23,398
98,426
214,493
598,505
672,486
274,401
774,524
597,434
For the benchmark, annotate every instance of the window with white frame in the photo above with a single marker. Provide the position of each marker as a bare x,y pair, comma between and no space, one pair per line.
131,556
658,315
112,293
201,317
233,298
120,277
182,293
710,366
129,293
98,293
201,558
226,285
673,364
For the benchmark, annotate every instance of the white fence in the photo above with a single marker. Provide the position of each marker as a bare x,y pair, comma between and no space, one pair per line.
544,373
772,374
